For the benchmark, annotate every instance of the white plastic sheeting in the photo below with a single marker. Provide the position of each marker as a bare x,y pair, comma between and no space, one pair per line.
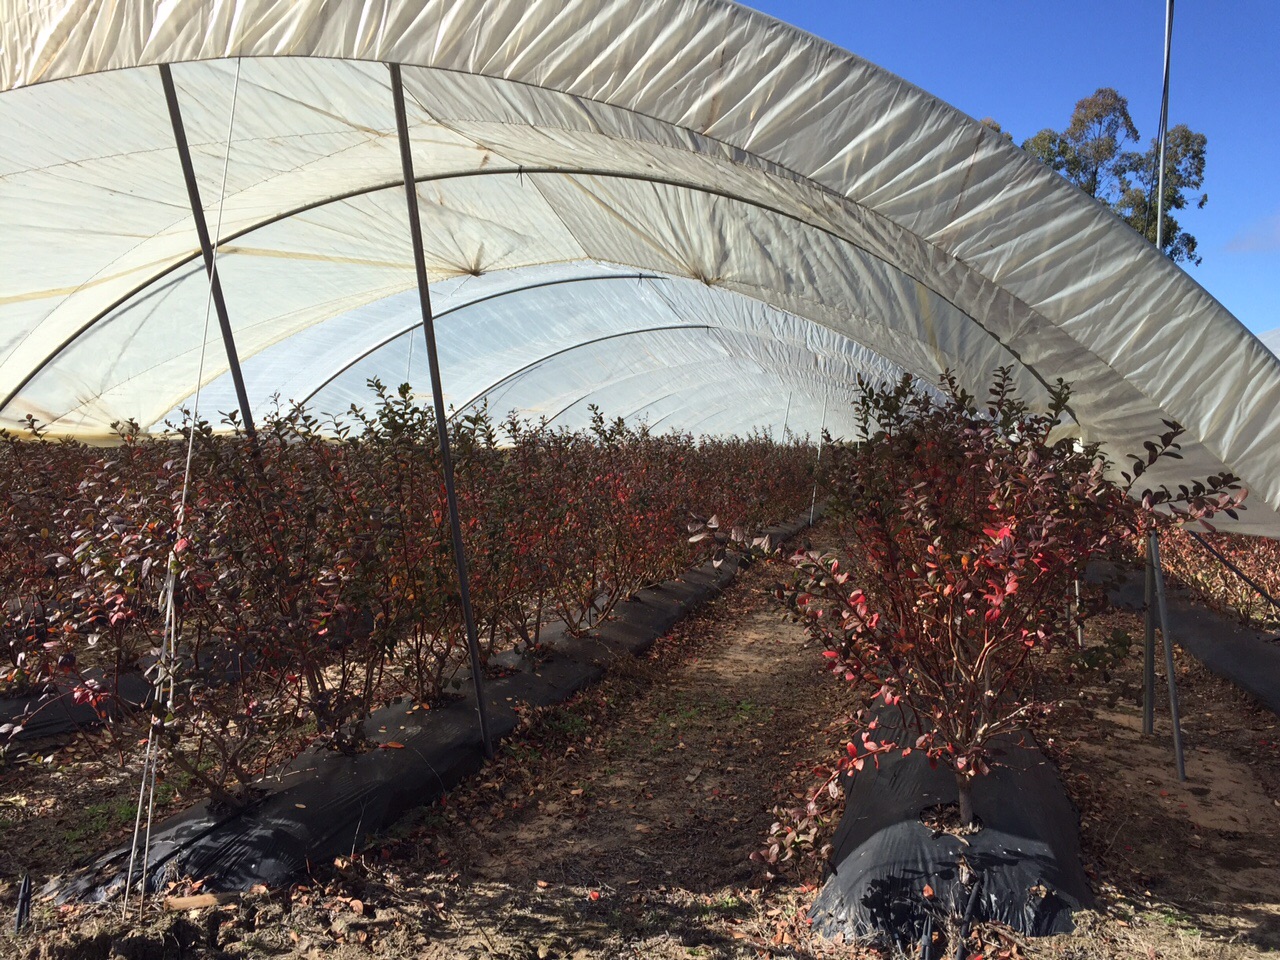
755,215
634,344
1272,340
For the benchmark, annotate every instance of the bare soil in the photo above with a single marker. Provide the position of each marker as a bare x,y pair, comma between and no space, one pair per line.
62,801
1187,868
620,825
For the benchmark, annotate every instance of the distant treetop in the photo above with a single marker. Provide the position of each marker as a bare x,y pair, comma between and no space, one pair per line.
1091,153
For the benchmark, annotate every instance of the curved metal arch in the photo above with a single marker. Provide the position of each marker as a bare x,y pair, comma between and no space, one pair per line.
692,390
832,386
811,388
497,384
540,361
516,374
712,415
463,306
519,170
542,284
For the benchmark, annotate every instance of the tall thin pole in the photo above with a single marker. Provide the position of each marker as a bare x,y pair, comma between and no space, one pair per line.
1075,616
813,503
1149,649
786,419
1170,676
1153,558
437,396
206,248
1164,125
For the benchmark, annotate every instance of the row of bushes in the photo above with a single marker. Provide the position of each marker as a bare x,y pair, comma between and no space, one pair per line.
313,568
1257,557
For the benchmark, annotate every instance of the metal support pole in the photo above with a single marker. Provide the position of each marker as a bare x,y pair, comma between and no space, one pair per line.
206,248
437,395
813,503
1149,649
1164,126
786,419
1168,656
1079,625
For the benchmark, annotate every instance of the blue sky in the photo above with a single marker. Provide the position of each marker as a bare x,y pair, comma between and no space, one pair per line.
1026,63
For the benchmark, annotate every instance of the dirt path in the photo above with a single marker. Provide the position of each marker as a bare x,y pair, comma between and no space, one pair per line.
636,840
1178,860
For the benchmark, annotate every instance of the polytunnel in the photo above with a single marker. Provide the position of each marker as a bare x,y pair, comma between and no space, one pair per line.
681,211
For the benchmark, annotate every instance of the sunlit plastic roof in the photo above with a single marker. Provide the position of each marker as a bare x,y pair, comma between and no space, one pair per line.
679,210
1272,340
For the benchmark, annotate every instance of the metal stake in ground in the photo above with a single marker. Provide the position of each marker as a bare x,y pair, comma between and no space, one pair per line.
1154,546
23,913
1079,622
1154,541
437,395
1149,649
813,503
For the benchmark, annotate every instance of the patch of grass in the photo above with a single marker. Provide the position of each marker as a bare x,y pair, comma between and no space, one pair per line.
165,793
430,817
521,751
1174,918
745,711
725,905
676,717
565,723
98,818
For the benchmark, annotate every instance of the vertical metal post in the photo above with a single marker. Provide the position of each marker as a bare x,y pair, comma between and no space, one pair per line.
437,395
1168,656
1149,649
1155,575
206,248
1079,625
786,419
1164,126
813,503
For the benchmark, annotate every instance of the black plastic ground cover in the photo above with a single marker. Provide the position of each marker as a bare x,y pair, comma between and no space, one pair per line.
328,804
53,711
1229,649
883,856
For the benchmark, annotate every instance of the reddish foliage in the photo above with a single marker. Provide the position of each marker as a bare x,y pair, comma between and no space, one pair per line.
313,570
962,529
1257,557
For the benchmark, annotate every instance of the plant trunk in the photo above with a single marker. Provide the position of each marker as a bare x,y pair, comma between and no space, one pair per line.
964,788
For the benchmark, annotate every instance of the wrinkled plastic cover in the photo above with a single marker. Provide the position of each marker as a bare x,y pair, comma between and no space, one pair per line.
1272,340
793,213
